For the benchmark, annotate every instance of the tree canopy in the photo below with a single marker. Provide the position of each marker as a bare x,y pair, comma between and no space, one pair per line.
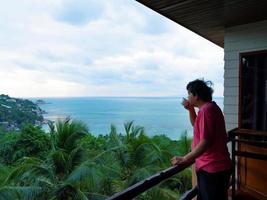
69,162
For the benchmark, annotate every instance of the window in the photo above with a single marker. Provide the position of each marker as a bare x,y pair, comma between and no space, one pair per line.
254,91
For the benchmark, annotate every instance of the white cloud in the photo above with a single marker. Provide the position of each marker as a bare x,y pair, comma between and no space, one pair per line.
125,49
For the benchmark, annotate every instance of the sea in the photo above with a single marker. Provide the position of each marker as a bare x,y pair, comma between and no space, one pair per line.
158,115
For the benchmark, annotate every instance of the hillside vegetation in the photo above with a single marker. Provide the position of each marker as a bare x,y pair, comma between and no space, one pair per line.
69,162
15,112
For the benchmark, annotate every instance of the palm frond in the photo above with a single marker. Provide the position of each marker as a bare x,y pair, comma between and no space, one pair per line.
148,153
87,174
26,164
67,132
162,194
8,193
184,143
15,192
109,162
113,130
128,127
138,175
61,162
96,196
136,131
114,140
76,157
44,182
118,185
80,195
77,130
4,172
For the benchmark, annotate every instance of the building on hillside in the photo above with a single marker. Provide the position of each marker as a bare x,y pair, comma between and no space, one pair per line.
11,100
5,106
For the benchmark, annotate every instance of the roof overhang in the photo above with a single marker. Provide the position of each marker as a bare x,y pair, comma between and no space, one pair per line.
209,18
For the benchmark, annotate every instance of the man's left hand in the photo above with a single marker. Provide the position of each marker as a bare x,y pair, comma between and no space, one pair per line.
176,160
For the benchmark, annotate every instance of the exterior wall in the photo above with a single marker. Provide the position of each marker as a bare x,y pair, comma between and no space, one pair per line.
239,39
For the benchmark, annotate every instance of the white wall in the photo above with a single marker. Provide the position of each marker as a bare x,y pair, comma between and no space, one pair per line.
239,39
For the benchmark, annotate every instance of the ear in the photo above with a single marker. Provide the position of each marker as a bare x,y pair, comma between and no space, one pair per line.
197,97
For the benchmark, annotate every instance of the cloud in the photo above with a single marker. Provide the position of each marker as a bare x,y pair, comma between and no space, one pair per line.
99,48
79,12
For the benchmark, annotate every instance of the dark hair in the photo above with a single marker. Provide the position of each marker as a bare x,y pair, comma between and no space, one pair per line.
201,88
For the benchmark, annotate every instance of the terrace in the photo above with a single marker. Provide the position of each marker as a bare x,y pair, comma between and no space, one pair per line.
237,137
238,27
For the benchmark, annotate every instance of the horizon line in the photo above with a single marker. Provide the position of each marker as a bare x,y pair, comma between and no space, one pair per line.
170,96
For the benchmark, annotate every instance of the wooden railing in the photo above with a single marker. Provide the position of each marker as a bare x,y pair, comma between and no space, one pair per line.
242,136
251,138
148,183
190,194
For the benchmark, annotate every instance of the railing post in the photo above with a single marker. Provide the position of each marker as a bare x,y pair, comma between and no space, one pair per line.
232,137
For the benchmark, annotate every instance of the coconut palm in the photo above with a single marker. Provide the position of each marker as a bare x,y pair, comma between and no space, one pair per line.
64,174
136,157
150,157
74,170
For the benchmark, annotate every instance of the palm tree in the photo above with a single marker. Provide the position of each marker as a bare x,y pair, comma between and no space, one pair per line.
148,157
135,157
71,171
184,143
64,174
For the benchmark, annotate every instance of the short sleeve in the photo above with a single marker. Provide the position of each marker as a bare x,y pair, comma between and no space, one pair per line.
206,125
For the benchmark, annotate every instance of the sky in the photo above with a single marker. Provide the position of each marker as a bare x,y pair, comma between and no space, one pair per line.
59,48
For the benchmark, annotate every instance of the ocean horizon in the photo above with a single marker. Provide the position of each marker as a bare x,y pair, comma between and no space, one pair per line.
158,115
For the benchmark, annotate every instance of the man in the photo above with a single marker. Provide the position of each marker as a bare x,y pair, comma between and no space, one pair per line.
209,149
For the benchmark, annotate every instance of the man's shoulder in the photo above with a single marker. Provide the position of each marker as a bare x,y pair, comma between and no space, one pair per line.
211,107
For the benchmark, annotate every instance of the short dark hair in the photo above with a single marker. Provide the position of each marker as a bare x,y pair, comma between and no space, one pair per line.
201,88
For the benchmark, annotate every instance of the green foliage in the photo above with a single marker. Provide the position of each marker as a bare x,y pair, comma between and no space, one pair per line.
17,112
184,144
4,172
31,141
8,142
70,163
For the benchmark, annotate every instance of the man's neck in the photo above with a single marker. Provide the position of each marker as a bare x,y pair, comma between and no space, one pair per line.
201,103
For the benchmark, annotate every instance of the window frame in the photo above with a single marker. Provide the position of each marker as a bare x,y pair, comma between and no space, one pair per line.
240,96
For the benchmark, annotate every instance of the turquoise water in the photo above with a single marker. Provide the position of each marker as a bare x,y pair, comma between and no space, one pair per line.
158,115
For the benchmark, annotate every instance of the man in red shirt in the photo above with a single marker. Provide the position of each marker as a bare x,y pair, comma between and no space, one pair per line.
210,153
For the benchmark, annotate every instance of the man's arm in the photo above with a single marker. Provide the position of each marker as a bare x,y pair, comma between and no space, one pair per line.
191,110
190,157
192,115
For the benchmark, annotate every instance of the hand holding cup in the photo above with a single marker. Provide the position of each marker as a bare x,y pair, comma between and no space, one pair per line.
186,103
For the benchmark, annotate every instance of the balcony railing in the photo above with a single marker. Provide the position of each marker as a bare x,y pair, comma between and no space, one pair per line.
243,136
148,183
248,138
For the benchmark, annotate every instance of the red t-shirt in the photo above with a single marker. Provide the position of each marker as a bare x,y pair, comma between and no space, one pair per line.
210,125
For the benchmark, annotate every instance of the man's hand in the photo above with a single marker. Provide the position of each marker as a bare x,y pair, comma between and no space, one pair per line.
190,108
186,104
191,156
176,160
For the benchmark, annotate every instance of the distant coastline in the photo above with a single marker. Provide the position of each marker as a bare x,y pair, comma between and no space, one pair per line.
158,115
14,112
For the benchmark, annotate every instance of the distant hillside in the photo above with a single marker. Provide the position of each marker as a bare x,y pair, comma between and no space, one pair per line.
14,112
